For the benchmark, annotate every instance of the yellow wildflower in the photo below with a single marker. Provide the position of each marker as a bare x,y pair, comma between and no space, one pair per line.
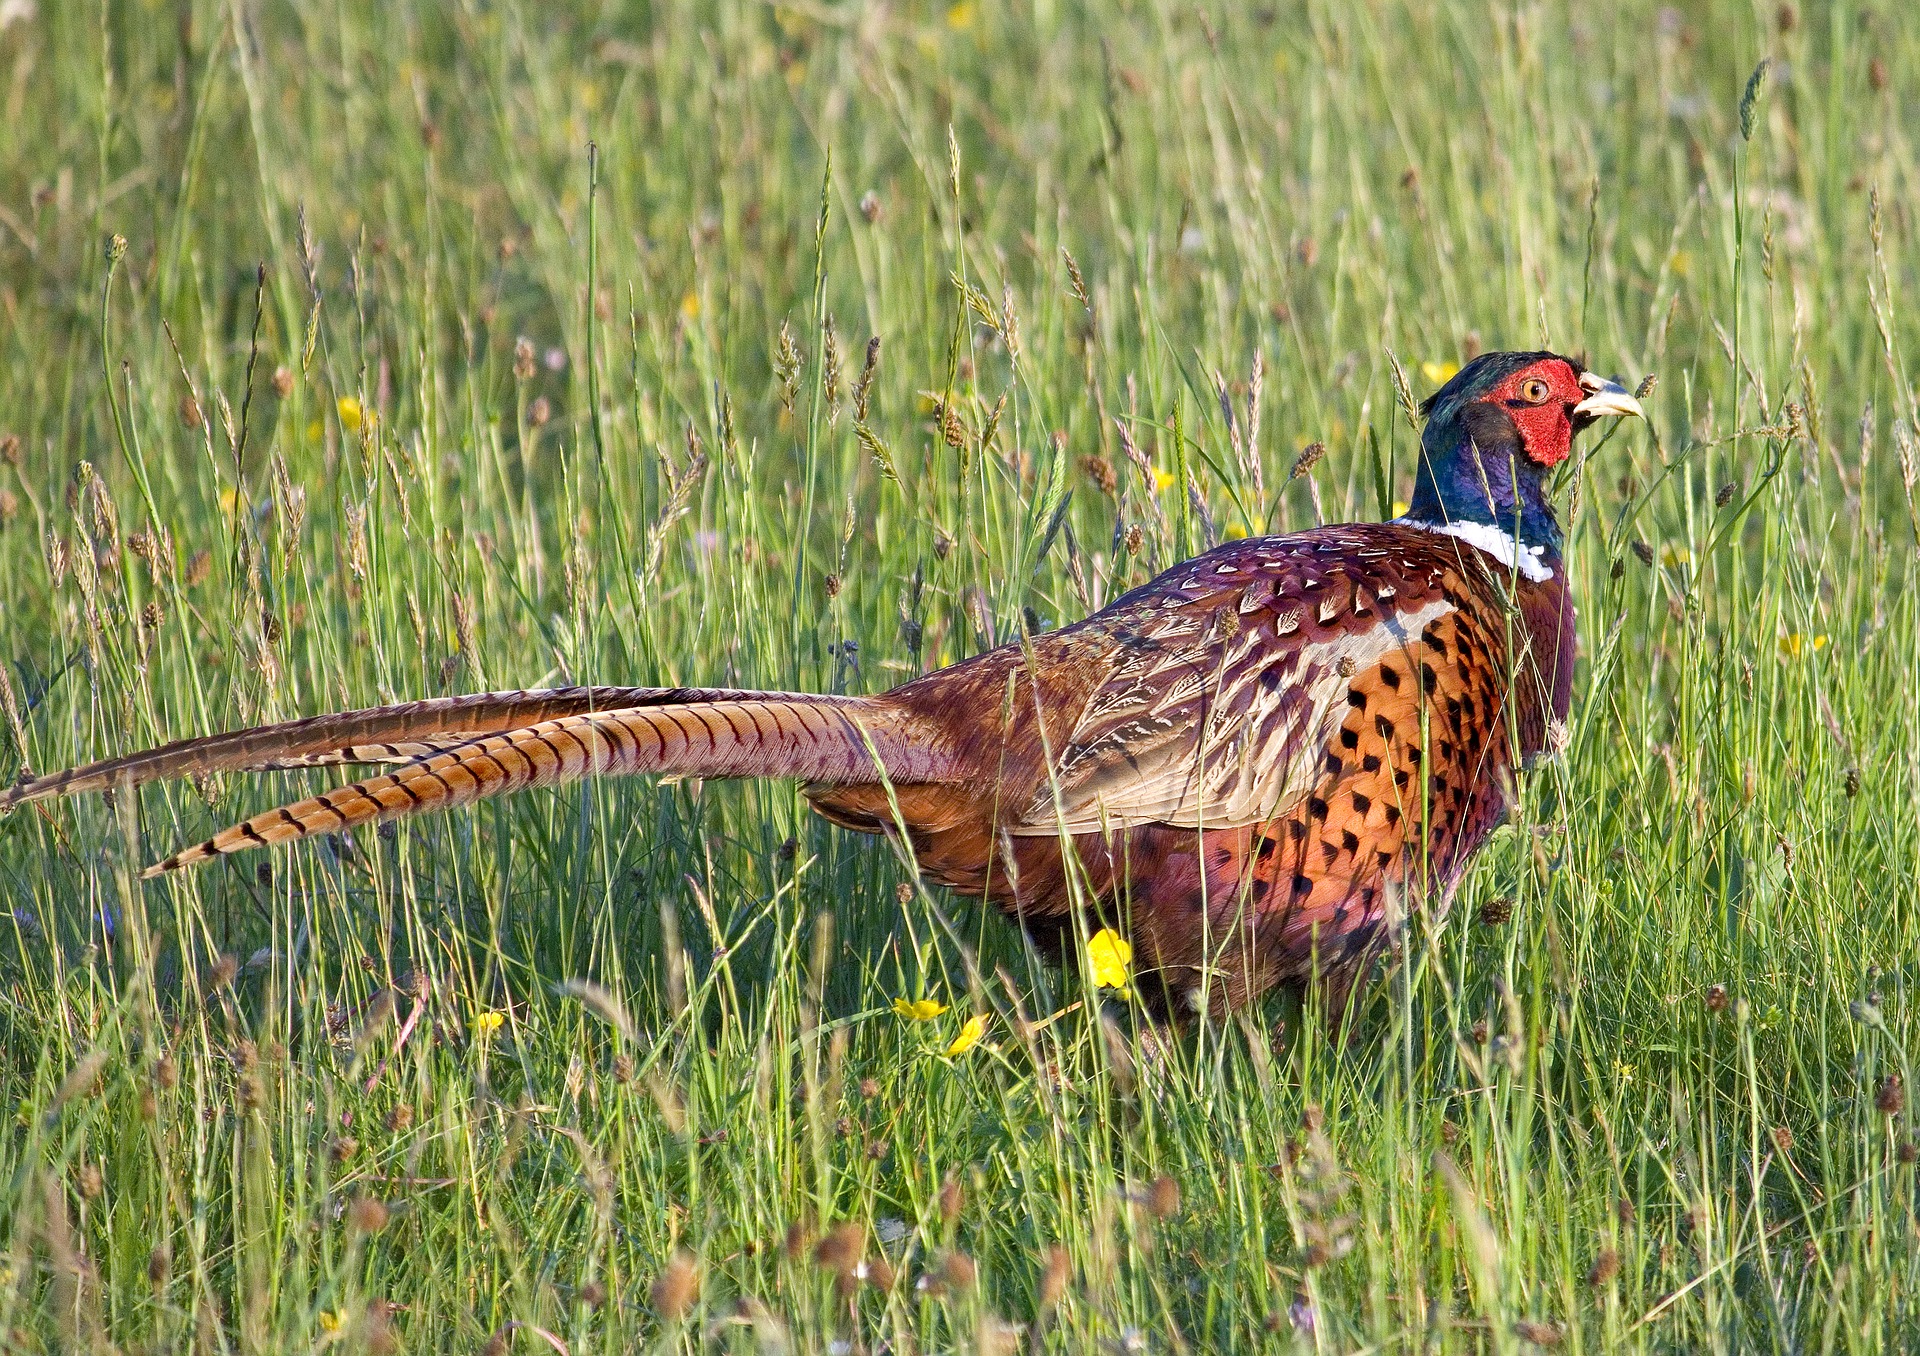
690,306
1794,645
1111,957
1400,507
1162,480
1674,556
330,1320
1622,1071
1235,531
350,415
918,1009
228,499
960,17
1439,373
486,1022
969,1036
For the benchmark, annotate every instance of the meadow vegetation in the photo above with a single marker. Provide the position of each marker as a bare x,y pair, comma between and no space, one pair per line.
358,352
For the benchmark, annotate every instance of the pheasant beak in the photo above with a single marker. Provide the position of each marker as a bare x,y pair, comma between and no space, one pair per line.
1605,397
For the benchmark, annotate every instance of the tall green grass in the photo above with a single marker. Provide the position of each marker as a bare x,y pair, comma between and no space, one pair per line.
448,347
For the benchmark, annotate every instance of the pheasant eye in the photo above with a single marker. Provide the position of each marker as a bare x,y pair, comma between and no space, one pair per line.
1535,391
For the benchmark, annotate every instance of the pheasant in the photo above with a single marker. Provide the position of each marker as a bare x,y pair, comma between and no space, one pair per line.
1254,765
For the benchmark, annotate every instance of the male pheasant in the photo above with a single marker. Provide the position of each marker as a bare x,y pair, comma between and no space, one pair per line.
1255,761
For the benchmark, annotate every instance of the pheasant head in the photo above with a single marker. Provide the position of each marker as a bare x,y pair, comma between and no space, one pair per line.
1494,434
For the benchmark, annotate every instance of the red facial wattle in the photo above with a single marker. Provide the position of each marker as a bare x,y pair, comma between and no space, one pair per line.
1546,431
1540,401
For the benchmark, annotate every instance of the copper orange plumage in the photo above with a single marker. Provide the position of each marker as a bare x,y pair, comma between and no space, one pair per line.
1253,762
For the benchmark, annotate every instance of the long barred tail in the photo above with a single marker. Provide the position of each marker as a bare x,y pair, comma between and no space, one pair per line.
460,749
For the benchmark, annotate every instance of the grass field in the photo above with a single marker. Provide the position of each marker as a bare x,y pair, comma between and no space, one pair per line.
337,366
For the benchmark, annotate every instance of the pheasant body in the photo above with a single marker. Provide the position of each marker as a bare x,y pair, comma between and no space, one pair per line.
1252,764
1288,734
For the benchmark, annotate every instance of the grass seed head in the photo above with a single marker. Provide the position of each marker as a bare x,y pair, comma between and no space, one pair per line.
1891,1099
796,1242
1055,1273
1606,1265
841,1249
367,1215
1716,998
1163,1197
958,1272
677,1287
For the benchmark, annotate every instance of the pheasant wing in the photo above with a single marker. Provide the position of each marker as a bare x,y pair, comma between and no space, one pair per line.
1231,683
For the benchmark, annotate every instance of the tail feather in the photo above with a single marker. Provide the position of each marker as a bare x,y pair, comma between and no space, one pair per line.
825,740
379,734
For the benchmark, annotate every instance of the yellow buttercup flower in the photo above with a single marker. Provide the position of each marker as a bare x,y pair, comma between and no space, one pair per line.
330,1320
969,1036
960,17
1439,373
1162,480
1623,1071
690,306
918,1009
1235,531
351,415
1400,507
1794,645
1111,958
487,1022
